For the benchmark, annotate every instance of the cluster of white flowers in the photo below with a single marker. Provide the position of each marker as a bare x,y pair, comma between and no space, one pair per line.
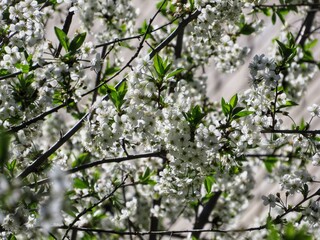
294,182
117,18
214,34
199,147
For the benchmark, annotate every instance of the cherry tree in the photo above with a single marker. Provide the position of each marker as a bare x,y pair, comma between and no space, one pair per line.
107,131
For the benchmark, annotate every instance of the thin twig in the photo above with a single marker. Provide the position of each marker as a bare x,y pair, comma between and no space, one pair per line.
286,131
180,28
65,29
100,162
42,116
287,5
84,211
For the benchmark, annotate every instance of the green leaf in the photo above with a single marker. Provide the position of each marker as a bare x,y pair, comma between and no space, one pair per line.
272,230
243,113
289,103
11,237
11,165
266,11
208,182
270,163
145,177
144,28
281,13
4,148
311,44
77,42
117,95
234,101
158,65
63,38
245,28
81,159
164,7
225,107
174,72
293,233
4,72
191,3
79,183
23,67
122,90
111,70
273,18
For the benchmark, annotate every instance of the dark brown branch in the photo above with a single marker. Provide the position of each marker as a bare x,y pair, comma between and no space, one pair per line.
287,5
203,218
286,131
65,29
98,78
136,36
44,157
154,221
179,42
307,24
168,233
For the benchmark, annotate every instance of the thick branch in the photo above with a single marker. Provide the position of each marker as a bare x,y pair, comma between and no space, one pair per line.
154,221
306,27
203,218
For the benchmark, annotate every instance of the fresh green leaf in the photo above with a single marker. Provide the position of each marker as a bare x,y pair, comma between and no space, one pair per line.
117,95
63,38
243,113
158,65
293,233
79,183
310,45
23,67
174,72
273,233
122,90
77,42
11,237
234,101
4,72
4,148
288,103
225,107
208,182
281,13
191,3
81,159
270,163
273,17
145,177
